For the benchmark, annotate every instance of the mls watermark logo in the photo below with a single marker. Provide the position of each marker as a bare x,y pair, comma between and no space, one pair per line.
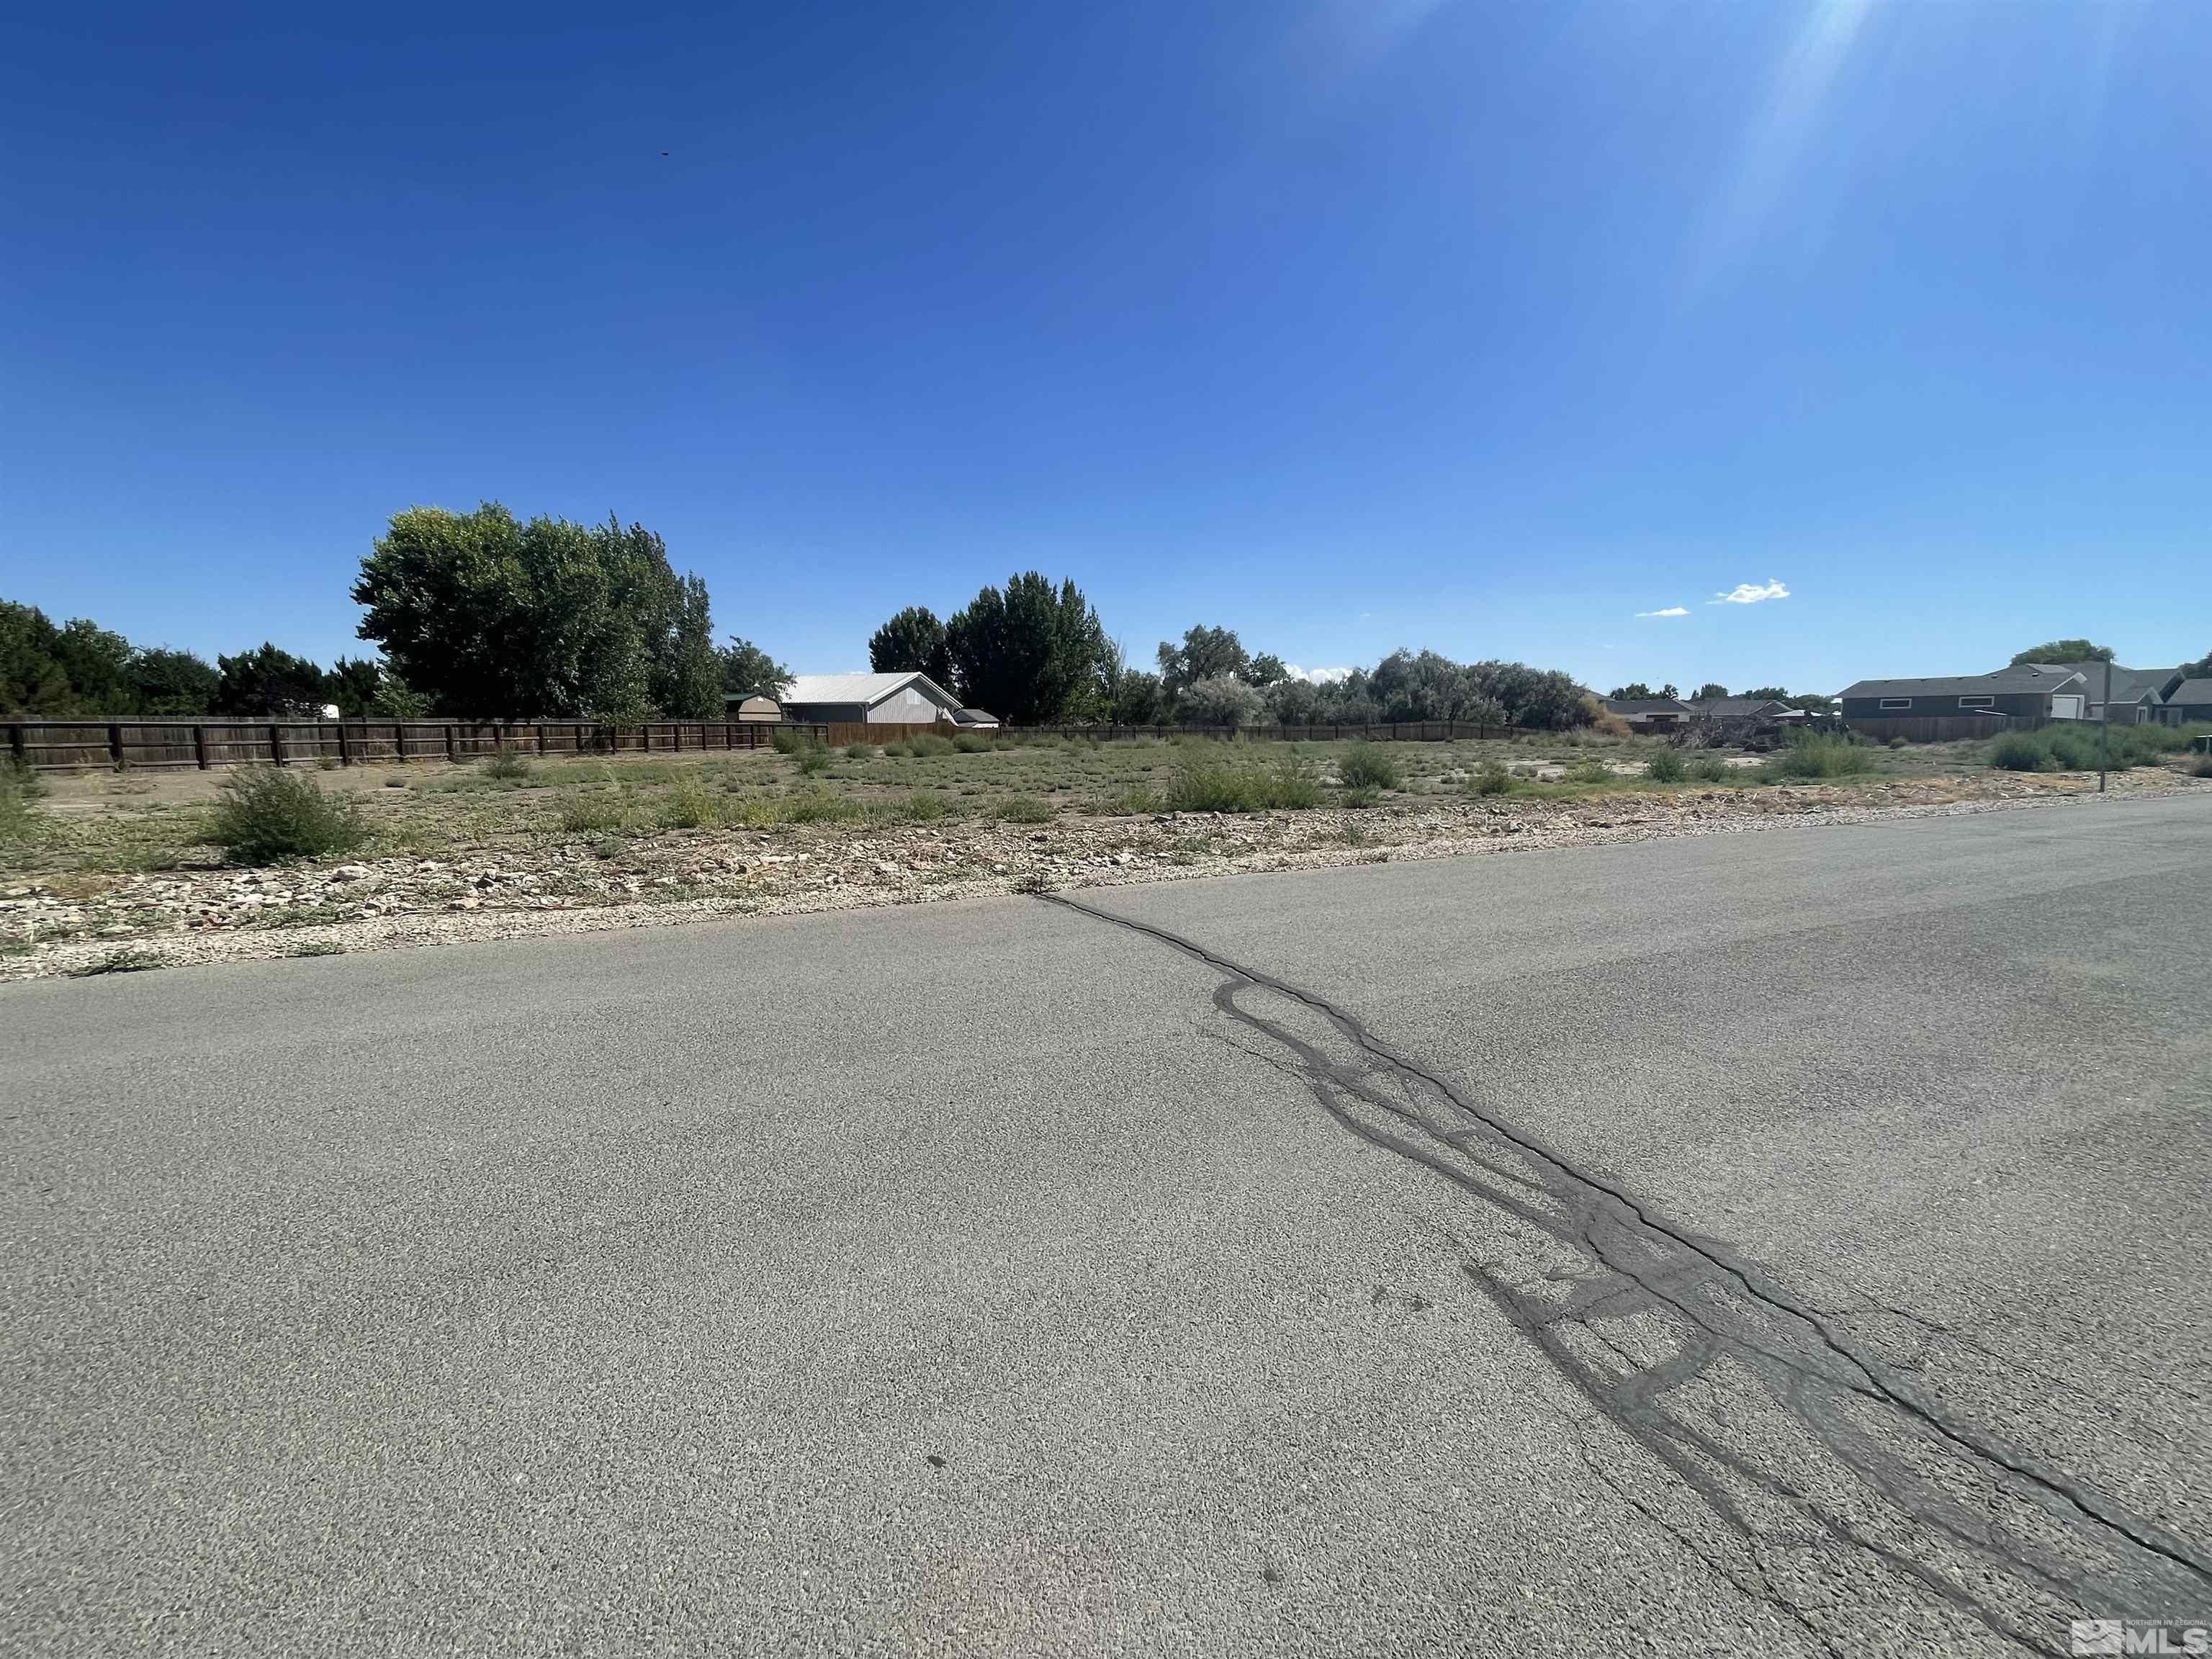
2140,1636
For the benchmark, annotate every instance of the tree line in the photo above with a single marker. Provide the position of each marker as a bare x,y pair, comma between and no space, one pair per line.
986,655
484,615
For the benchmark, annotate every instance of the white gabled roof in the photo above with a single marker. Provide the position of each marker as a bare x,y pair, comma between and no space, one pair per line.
867,689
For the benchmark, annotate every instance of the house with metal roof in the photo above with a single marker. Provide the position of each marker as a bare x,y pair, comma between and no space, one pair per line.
914,697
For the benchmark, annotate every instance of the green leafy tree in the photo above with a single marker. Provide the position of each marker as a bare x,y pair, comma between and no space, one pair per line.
268,681
1220,700
1138,699
1034,653
1267,669
166,682
1634,691
485,615
33,679
749,672
2056,651
1710,691
1768,694
1205,653
353,684
912,641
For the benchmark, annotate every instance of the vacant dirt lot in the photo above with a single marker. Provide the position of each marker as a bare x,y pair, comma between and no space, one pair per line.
114,872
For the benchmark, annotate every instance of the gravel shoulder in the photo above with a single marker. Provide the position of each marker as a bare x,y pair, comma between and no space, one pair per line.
577,884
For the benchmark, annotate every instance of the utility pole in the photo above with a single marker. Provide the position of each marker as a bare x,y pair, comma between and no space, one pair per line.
2104,737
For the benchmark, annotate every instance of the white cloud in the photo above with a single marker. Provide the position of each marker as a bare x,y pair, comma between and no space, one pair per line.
1671,611
1750,594
1318,676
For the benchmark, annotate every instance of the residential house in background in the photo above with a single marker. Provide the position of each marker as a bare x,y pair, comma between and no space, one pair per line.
1648,714
816,699
1762,709
2137,692
1964,705
2183,702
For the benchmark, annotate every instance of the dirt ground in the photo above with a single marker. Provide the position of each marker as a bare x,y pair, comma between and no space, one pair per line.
115,872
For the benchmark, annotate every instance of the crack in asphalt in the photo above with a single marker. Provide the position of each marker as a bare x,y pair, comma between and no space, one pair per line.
1854,1428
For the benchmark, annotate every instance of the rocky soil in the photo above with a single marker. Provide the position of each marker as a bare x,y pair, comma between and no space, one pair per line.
197,915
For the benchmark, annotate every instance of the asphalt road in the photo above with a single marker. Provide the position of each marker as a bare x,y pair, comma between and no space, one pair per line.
1779,1242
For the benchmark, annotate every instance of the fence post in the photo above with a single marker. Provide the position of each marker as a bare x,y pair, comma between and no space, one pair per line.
15,746
276,745
399,740
648,729
199,745
345,750
541,737
115,746
452,745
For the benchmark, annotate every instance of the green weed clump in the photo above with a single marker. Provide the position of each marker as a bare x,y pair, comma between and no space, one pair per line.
858,751
2081,748
264,813
1233,782
1492,779
898,751
19,787
925,807
508,765
690,806
1133,801
1667,766
1709,768
929,743
1813,755
1025,809
813,760
1365,766
789,740
592,814
971,742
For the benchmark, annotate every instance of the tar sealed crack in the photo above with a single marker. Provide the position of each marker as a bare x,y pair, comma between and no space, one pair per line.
1819,1462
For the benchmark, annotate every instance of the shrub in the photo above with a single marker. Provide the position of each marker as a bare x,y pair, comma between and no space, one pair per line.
1295,782
1666,767
971,742
925,807
858,751
267,812
690,806
898,751
506,764
929,743
1365,766
1492,779
2019,751
1360,798
789,740
1025,809
19,787
813,760
1818,754
815,806
1133,801
1897,743
588,814
1709,768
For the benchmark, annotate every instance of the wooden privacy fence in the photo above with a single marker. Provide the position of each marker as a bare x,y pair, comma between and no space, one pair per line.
1374,732
56,746
64,745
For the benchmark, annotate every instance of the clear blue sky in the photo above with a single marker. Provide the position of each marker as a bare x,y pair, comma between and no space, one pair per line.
1346,323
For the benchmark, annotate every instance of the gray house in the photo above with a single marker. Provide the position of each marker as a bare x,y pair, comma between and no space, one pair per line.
1649,713
2135,692
815,699
1762,709
2031,690
2188,700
